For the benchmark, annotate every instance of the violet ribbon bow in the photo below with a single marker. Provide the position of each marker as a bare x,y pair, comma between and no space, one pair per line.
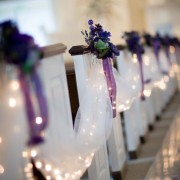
111,84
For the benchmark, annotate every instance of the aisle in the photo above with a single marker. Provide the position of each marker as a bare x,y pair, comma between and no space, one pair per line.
166,165
139,168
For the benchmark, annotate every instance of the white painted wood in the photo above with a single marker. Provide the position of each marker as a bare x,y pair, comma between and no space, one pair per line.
131,129
99,168
150,109
117,154
133,123
55,82
54,76
141,116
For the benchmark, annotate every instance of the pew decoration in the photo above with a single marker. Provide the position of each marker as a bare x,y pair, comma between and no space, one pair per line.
21,55
99,44
133,44
153,47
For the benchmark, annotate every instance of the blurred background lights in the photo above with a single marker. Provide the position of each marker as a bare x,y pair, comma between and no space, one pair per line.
33,153
14,85
1,169
39,120
12,102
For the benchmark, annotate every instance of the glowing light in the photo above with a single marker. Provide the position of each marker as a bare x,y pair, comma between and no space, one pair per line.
28,168
39,120
127,102
24,154
109,88
133,87
58,177
38,164
29,175
83,130
172,49
92,154
121,106
0,140
56,172
48,167
91,134
79,157
87,165
29,165
147,93
14,85
33,153
12,102
146,60
135,78
100,87
73,176
134,59
48,177
67,175
1,169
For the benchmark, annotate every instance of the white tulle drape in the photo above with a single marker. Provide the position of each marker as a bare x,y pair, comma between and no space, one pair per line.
93,125
63,155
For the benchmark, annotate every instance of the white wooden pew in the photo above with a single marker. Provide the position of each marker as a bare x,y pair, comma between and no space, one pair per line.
99,168
134,118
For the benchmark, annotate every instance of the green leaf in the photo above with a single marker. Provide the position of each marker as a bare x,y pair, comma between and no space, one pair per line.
100,45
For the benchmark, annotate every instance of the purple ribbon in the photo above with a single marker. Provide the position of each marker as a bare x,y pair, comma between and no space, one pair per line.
166,50
156,52
35,128
139,57
177,51
156,49
111,84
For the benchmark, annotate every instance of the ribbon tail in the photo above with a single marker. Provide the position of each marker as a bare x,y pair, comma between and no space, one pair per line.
111,84
156,53
166,49
35,136
41,98
141,75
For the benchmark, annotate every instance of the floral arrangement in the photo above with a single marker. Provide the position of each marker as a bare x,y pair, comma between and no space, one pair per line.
18,49
99,44
98,41
21,51
133,42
